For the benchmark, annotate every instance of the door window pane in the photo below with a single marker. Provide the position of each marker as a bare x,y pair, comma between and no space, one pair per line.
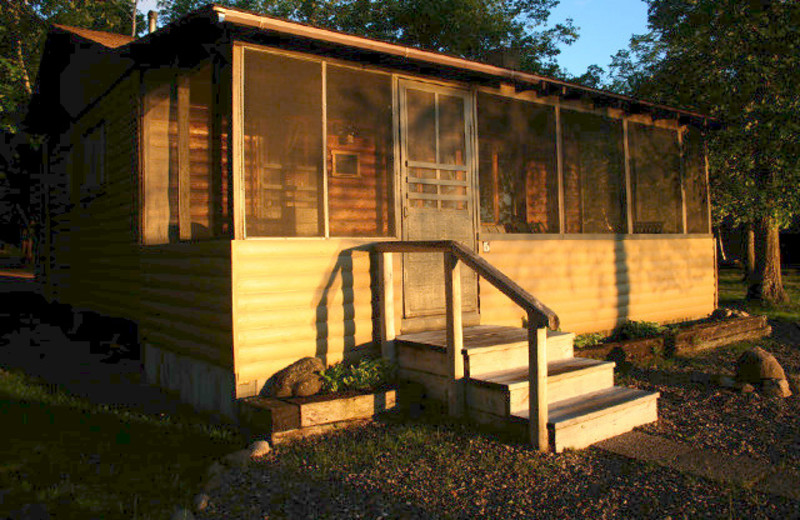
593,173
360,149
282,145
451,129
517,171
421,131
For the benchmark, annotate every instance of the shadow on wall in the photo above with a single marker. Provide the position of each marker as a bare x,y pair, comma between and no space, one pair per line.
622,278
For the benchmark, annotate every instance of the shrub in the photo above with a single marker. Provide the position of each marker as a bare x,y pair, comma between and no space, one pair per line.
638,330
367,374
588,340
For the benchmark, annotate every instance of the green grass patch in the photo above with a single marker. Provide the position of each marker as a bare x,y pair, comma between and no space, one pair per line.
732,292
83,460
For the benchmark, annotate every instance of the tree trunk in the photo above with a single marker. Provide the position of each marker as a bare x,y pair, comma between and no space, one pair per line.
749,253
766,283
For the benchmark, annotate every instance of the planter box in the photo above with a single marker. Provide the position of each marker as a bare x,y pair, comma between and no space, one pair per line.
301,416
696,338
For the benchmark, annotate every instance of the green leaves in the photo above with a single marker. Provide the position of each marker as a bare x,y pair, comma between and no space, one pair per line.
367,374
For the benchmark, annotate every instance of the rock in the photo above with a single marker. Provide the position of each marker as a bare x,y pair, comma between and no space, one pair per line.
747,388
308,386
237,459
213,483
182,514
756,365
721,314
283,383
200,502
776,388
794,383
259,449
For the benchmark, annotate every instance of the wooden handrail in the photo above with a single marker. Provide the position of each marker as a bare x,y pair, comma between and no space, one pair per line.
546,317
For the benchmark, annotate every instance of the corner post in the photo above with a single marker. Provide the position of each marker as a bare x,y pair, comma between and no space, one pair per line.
537,382
386,277
455,337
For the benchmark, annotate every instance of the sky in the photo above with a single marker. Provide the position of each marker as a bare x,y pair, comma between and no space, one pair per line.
604,27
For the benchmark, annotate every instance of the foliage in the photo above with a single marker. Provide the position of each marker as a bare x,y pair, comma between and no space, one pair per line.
367,374
733,291
466,28
638,330
588,340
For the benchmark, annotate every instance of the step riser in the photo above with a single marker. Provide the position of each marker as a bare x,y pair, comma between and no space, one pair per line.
500,401
566,387
514,356
614,423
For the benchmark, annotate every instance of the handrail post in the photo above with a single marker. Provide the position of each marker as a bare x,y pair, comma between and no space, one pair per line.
386,295
537,382
454,334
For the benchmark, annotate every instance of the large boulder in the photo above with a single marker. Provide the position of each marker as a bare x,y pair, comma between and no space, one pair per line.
301,378
757,365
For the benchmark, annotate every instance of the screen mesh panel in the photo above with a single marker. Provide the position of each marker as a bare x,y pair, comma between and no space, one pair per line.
518,172
694,182
594,194
655,179
282,145
360,167
203,203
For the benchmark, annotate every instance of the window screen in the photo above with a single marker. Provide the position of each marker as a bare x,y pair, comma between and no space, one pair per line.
359,139
694,181
593,173
517,170
655,179
282,145
183,198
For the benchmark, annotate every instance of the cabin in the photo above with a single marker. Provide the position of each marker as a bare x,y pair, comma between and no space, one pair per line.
250,191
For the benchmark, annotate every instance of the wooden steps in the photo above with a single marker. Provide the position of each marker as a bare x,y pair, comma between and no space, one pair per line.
584,405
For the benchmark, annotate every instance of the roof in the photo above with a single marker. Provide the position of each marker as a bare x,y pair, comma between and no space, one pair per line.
106,39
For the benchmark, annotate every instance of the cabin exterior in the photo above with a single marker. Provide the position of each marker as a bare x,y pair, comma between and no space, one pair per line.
241,187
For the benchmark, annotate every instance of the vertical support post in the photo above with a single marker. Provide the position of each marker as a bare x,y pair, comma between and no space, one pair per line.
184,181
537,382
454,334
386,276
562,219
628,185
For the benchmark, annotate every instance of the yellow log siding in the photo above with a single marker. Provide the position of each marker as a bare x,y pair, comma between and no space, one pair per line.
185,300
595,283
297,298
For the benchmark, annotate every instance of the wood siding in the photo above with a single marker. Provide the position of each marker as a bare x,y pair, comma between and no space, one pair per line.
297,298
595,283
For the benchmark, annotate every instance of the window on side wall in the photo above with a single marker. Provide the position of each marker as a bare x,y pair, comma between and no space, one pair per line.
517,170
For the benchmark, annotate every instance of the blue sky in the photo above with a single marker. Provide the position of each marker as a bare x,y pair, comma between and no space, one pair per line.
605,26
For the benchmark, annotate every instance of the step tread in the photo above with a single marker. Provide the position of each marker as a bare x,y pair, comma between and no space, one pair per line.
587,406
480,337
562,367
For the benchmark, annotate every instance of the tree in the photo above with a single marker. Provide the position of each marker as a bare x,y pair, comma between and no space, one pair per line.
467,28
736,60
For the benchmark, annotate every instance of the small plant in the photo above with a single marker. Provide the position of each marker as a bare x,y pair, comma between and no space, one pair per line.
638,330
367,374
588,340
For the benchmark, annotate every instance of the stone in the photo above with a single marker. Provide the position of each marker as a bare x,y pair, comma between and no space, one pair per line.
756,365
283,383
776,388
213,483
182,514
794,383
214,470
200,502
259,449
747,388
721,313
311,385
237,459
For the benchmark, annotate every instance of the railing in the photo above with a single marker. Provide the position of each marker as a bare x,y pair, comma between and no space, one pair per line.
540,317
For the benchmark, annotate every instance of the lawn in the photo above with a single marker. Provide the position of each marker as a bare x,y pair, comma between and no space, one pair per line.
732,291
81,460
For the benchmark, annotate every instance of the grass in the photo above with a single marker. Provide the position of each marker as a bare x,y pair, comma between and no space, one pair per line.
732,292
83,460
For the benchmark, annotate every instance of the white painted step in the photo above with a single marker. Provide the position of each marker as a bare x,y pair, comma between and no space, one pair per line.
504,392
480,360
583,420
